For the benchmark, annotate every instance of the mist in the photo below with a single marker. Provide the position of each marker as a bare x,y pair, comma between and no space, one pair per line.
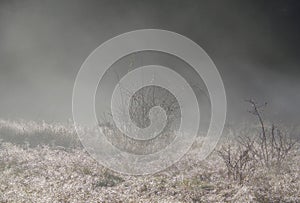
255,46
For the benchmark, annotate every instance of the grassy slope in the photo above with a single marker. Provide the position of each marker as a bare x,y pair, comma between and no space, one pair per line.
33,172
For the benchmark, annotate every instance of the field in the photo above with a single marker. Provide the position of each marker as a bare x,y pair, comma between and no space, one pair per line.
42,162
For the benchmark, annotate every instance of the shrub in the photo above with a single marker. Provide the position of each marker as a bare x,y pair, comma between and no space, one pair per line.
238,160
270,147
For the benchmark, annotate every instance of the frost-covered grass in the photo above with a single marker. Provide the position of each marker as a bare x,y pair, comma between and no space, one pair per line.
47,173
39,133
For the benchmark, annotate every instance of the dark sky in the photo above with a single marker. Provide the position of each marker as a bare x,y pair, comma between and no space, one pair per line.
254,44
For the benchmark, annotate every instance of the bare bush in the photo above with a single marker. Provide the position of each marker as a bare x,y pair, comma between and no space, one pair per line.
238,160
272,145
269,148
139,111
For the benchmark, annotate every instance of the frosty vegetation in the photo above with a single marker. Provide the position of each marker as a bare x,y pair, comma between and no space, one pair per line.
42,162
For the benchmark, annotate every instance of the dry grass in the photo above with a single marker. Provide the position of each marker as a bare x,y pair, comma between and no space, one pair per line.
47,173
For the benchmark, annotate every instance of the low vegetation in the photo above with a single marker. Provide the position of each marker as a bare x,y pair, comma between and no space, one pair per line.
42,162
268,148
